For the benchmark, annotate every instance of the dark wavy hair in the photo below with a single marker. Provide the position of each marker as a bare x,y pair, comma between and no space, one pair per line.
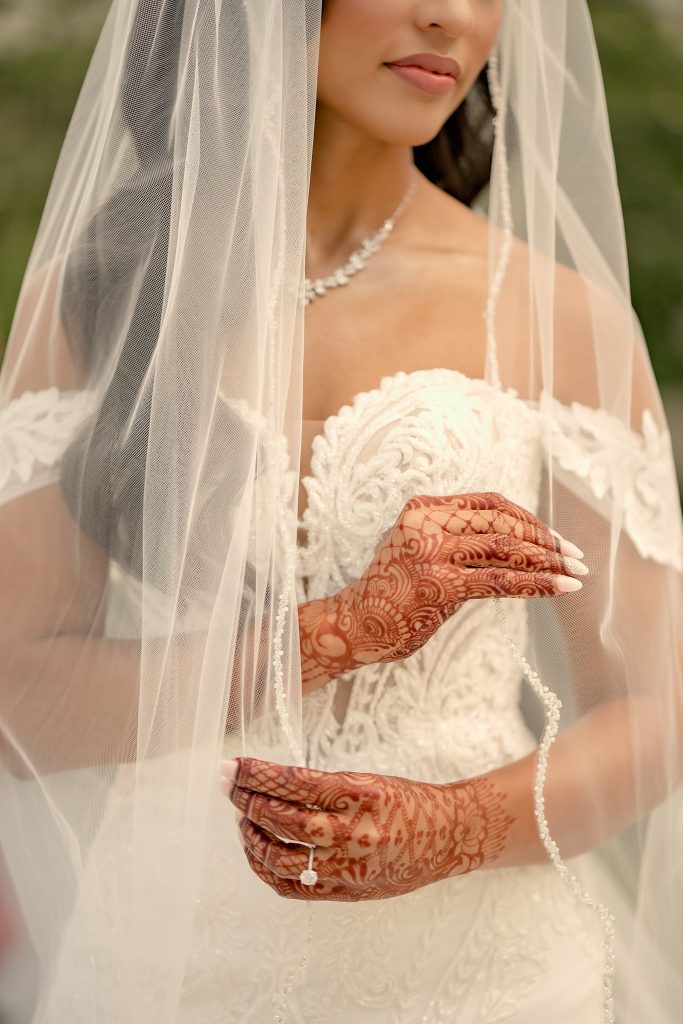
103,481
458,158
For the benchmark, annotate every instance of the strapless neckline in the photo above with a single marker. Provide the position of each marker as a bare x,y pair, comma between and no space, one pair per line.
367,396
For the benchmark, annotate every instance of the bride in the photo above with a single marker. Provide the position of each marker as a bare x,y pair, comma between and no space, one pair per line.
323,378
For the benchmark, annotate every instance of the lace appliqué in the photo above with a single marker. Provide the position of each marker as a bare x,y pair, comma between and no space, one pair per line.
451,710
34,432
428,431
619,466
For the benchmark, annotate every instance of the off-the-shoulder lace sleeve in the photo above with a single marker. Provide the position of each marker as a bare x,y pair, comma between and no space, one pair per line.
610,462
35,430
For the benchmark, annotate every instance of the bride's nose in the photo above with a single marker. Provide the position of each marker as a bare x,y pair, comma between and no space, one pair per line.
455,17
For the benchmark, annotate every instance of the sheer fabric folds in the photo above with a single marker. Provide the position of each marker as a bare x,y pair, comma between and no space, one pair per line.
150,431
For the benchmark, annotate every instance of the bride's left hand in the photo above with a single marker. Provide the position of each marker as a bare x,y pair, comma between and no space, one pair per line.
375,836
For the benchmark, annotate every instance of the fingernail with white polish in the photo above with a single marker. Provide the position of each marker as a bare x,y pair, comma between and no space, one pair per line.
229,770
566,546
576,567
567,584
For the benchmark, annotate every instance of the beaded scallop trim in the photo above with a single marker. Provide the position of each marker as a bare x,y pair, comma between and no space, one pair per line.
493,365
552,705
551,702
290,553
297,975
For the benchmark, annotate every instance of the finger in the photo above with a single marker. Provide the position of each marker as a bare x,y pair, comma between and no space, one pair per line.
493,521
511,508
285,860
503,550
285,887
497,501
305,786
280,885
289,821
482,501
491,500
282,859
500,582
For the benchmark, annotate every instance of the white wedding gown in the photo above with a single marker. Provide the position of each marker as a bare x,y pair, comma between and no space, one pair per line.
510,946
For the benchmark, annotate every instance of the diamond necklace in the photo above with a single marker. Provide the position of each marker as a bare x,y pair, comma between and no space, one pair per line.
357,260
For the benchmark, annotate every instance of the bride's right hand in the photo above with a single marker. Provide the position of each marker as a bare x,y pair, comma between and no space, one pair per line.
441,552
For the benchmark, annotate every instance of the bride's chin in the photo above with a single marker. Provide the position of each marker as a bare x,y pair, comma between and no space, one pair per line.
395,123
403,126
412,134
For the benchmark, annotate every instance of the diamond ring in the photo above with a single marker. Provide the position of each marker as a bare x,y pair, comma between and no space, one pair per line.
309,876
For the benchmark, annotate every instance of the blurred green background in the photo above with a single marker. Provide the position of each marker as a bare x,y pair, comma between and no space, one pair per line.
45,46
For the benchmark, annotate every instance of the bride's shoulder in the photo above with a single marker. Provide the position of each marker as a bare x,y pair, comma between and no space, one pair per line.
593,329
588,324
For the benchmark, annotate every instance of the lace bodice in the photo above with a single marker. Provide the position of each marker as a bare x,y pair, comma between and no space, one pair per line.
422,432
453,704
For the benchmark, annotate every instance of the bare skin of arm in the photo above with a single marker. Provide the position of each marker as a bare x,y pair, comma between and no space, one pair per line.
89,683
66,676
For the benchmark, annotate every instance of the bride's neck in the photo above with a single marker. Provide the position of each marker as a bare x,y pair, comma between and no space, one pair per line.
356,182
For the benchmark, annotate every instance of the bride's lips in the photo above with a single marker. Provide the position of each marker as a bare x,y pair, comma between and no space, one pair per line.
427,71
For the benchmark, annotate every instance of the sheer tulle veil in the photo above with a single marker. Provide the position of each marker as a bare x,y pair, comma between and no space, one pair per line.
158,343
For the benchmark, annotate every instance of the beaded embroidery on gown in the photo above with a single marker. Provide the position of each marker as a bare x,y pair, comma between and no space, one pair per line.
498,946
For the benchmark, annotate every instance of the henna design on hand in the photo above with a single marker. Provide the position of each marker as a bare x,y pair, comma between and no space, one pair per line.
376,836
441,552
329,640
